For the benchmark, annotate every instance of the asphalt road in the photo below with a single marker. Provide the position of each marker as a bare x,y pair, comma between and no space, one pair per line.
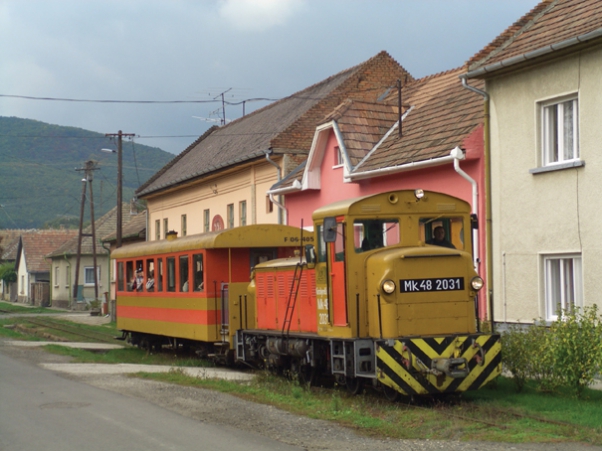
42,410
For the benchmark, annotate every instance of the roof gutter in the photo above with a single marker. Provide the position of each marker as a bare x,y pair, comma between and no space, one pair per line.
533,54
282,208
459,155
402,168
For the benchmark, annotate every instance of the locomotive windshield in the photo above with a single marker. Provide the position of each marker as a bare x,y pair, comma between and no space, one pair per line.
371,234
443,231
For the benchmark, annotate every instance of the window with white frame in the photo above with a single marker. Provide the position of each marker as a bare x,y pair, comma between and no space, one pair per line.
56,276
339,160
206,221
560,131
230,215
242,212
89,275
563,283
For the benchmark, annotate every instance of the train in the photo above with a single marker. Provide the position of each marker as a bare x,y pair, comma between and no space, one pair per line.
382,293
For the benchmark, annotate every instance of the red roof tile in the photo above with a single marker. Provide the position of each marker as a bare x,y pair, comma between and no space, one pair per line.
443,113
549,23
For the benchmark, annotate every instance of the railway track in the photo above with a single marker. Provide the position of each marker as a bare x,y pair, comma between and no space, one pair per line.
70,329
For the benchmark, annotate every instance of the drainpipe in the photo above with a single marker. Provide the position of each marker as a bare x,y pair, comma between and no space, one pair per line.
458,155
488,222
282,208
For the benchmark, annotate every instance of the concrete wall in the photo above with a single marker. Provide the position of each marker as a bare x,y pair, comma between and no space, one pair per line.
555,212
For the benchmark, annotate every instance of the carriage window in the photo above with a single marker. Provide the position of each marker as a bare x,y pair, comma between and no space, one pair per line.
371,234
129,274
184,273
150,275
445,232
171,274
159,275
197,261
120,278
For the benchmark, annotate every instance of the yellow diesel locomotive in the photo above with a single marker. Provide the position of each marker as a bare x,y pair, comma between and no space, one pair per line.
385,296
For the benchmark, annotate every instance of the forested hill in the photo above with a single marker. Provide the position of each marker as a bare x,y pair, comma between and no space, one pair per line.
38,180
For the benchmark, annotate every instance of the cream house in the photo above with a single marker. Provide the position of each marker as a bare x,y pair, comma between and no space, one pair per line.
222,179
543,83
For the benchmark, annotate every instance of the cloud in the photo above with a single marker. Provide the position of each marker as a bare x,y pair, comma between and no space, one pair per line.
258,15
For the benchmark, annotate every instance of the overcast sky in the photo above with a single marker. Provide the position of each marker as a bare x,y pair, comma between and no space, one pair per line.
168,50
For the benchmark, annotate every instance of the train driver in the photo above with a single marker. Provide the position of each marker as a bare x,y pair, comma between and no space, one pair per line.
439,238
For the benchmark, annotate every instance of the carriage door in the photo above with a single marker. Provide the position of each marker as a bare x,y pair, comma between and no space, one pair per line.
225,314
338,292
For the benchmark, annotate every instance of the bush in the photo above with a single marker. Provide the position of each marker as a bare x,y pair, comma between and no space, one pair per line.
577,343
8,273
567,353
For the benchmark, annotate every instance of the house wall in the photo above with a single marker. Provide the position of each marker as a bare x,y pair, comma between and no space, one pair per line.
23,281
62,289
554,212
444,179
248,183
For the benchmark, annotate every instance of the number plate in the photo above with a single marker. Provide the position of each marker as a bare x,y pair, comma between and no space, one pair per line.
422,285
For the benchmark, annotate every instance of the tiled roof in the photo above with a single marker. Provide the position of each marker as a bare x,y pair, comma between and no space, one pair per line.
103,226
363,125
9,242
549,23
36,245
135,228
442,114
285,126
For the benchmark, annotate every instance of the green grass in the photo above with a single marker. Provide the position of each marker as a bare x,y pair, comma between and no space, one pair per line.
127,355
492,414
11,307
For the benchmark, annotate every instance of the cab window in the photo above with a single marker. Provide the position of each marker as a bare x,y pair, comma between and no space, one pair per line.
443,231
369,234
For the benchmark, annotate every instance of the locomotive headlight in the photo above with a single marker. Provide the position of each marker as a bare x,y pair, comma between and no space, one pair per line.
388,286
476,283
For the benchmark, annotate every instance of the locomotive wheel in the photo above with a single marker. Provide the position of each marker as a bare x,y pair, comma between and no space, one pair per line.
390,393
354,385
304,374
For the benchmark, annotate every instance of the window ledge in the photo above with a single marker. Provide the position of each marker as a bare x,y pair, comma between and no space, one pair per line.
558,167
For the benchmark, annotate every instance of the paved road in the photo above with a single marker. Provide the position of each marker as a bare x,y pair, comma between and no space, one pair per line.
41,410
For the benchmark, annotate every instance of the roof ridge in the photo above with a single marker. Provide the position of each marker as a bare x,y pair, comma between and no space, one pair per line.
508,36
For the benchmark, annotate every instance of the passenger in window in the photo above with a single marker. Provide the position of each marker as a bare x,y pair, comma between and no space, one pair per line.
439,238
198,281
138,281
374,237
150,282
185,287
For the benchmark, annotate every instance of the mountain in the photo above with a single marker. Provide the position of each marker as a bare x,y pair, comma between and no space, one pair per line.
38,179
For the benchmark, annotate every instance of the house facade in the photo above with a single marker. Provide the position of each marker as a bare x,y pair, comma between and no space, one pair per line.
543,80
360,149
222,179
64,264
32,266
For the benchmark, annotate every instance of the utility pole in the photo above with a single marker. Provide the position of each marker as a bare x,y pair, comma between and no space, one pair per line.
89,167
223,105
119,136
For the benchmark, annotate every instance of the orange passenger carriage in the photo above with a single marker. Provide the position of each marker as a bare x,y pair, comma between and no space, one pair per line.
179,292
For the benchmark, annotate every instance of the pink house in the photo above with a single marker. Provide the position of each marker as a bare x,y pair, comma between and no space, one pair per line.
359,149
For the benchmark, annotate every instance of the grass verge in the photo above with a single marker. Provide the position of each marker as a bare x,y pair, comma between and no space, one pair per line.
492,414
